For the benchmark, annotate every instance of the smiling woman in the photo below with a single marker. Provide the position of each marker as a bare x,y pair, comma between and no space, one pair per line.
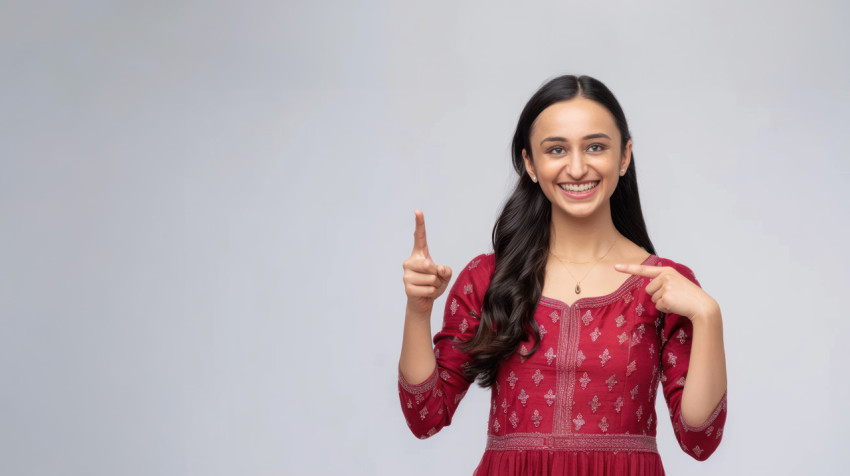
572,321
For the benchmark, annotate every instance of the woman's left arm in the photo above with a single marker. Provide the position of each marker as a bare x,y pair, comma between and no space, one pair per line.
706,382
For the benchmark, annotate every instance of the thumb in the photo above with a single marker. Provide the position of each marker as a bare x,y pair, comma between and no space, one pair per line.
444,271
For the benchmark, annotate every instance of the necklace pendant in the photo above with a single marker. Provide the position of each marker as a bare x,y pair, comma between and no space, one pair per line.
578,289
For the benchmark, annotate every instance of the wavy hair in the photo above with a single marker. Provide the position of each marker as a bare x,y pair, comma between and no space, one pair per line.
521,235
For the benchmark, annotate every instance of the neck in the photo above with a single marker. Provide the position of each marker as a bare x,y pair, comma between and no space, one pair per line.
583,238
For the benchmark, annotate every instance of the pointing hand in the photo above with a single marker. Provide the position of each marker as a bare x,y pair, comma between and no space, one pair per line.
424,280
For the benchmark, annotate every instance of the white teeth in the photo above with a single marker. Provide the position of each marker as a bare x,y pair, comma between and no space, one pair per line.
580,188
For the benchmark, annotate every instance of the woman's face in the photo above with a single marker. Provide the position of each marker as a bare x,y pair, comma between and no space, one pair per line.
576,142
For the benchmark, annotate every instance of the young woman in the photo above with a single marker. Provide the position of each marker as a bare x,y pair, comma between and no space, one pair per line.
572,321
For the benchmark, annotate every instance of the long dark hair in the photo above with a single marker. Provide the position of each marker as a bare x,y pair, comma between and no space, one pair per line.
521,235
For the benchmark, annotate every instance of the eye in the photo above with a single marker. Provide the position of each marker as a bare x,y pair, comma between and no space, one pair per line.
553,149
601,147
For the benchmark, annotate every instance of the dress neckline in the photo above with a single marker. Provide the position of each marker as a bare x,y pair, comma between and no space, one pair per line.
590,301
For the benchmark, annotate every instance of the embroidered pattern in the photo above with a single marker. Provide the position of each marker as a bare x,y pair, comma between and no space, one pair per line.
623,337
444,375
498,387
631,368
709,430
594,403
419,397
681,381
550,354
550,397
474,263
513,419
605,356
719,432
671,359
523,353
543,331
536,418
612,380
523,397
639,412
697,450
537,377
579,421
423,413
639,310
620,319
454,306
634,392
496,426
603,425
409,403
628,298
587,317
641,330
555,316
595,334
463,326
580,358
467,289
505,405
651,350
437,352
635,339
618,405
512,378
585,379
682,336
649,421
459,396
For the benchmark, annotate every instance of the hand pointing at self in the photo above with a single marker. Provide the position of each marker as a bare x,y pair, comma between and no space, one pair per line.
424,280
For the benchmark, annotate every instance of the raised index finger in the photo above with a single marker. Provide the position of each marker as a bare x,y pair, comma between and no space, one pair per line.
420,244
639,269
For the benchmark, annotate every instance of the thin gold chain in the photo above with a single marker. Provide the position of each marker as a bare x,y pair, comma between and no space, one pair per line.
578,282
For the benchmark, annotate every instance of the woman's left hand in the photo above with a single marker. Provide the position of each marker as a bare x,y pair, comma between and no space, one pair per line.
671,292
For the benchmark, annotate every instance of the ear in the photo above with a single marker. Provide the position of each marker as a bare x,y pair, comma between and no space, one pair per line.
626,159
529,164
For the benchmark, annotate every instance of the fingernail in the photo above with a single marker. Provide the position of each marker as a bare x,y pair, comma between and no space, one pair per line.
618,266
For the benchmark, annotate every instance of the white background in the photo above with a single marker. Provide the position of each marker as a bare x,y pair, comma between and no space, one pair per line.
205,207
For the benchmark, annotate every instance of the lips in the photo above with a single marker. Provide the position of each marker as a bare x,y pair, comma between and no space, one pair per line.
583,186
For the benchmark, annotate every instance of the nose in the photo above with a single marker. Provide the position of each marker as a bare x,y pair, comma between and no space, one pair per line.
576,166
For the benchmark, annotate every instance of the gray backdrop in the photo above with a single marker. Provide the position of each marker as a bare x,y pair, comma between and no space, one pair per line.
205,207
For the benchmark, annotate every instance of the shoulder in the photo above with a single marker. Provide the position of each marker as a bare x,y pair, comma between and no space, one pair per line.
480,268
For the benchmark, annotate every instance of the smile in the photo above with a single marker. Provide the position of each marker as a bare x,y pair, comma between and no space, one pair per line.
580,191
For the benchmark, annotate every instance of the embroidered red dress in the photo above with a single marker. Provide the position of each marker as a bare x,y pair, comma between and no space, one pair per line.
584,403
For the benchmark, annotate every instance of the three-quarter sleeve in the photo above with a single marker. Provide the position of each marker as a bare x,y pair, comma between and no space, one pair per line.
430,405
697,441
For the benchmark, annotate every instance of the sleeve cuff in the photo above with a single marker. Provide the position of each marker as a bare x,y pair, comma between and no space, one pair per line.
423,387
720,407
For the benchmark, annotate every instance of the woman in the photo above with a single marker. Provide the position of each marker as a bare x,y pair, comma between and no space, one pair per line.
573,321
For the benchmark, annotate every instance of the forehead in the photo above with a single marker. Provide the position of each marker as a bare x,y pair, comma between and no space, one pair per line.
574,119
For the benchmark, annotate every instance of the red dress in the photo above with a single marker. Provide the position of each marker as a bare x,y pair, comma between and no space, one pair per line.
584,403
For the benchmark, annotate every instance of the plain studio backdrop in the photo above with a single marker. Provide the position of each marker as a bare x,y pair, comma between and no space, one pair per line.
205,207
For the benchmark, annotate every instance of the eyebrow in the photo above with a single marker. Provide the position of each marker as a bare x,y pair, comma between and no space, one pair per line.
598,135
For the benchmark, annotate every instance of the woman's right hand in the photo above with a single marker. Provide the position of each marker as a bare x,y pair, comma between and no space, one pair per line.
424,280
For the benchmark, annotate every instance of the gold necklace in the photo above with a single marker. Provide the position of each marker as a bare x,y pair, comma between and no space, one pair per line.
578,282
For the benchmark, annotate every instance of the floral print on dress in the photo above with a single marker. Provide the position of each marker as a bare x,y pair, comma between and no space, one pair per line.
584,380
550,397
612,380
550,355
512,378
555,316
605,356
595,334
536,417
587,318
513,419
579,421
523,397
603,425
631,368
580,358
620,320
537,377
594,403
